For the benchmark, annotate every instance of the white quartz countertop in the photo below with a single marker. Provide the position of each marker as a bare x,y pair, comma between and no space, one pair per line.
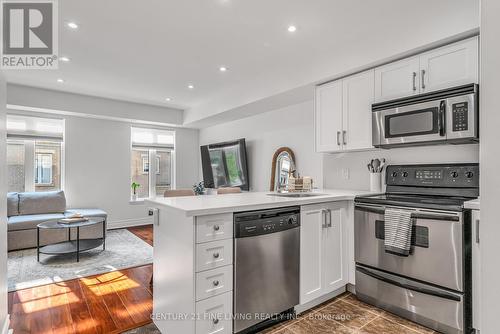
212,204
475,204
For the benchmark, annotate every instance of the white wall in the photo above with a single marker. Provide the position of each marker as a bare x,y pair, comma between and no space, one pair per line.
97,148
359,177
264,133
97,167
490,164
3,211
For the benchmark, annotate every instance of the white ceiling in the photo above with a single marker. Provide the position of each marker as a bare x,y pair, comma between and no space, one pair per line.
145,51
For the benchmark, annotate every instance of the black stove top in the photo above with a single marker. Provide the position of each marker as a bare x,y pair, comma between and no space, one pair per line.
437,186
416,201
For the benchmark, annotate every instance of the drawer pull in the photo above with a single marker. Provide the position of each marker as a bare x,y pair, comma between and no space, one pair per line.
216,283
216,227
216,255
215,321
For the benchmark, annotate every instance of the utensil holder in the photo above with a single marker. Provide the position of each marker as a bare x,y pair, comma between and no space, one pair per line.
376,182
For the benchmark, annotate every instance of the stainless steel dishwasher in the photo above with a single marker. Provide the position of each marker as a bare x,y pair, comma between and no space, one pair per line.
266,267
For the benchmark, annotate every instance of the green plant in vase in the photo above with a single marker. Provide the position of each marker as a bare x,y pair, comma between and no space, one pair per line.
134,186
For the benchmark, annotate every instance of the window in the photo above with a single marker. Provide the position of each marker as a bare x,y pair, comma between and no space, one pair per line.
43,169
34,153
152,145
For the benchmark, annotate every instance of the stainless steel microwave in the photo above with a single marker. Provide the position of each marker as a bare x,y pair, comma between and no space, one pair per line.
446,116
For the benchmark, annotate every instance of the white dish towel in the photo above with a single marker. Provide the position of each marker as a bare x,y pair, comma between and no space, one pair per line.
398,229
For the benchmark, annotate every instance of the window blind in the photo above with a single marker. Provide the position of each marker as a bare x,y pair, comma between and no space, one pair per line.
34,128
151,138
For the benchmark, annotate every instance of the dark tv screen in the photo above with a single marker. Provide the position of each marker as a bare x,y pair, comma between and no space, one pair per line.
225,165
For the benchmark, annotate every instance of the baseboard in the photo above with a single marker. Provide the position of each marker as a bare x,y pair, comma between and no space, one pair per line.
351,288
6,324
304,307
129,223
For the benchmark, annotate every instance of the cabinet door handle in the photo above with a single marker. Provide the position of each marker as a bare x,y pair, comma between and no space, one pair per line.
338,138
329,218
344,134
423,79
323,218
477,231
414,81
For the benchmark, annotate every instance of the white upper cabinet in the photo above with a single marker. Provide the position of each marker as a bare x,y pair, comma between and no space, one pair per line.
358,96
451,65
343,108
397,79
328,117
448,66
343,113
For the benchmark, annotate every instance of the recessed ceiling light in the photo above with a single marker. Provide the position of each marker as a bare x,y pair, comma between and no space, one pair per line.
168,99
190,86
223,69
60,80
64,59
72,25
292,28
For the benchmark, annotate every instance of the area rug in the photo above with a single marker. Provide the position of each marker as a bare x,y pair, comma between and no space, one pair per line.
123,250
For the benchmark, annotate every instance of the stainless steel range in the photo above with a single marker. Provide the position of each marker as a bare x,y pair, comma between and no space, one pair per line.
432,285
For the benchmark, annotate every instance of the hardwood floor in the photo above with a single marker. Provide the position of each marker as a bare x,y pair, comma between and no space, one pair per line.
144,232
108,303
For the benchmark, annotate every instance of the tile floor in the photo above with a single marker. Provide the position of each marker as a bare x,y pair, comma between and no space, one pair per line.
343,315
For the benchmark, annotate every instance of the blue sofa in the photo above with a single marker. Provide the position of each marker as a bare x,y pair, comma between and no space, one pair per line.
26,210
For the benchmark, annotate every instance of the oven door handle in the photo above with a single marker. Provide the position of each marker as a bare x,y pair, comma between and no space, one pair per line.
427,291
441,118
415,214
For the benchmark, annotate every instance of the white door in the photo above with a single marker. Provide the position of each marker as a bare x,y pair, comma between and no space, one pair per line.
312,219
358,96
476,272
452,65
398,79
328,117
335,267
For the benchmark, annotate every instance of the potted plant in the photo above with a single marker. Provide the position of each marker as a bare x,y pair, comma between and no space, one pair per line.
199,188
134,186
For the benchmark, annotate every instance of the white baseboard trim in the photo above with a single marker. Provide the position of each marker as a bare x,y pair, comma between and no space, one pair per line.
304,307
129,223
6,324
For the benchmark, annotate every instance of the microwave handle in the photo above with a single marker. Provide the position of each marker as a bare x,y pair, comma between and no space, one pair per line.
441,118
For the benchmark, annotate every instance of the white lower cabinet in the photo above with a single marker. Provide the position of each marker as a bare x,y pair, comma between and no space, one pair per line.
476,272
214,315
323,249
214,282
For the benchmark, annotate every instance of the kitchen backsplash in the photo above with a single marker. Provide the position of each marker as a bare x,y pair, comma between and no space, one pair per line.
349,171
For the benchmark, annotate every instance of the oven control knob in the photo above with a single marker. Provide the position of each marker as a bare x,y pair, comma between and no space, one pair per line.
405,174
394,174
469,175
454,175
292,220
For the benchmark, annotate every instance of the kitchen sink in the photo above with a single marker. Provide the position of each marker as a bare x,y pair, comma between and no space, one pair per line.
295,194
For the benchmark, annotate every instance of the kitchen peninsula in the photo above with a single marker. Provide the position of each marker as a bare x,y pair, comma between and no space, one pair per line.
195,260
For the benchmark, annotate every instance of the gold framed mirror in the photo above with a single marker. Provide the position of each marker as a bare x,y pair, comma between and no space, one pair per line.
283,164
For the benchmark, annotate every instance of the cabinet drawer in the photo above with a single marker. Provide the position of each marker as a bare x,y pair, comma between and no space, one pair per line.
214,227
214,315
214,254
214,282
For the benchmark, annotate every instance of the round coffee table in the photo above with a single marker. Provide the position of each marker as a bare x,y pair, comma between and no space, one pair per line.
71,246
